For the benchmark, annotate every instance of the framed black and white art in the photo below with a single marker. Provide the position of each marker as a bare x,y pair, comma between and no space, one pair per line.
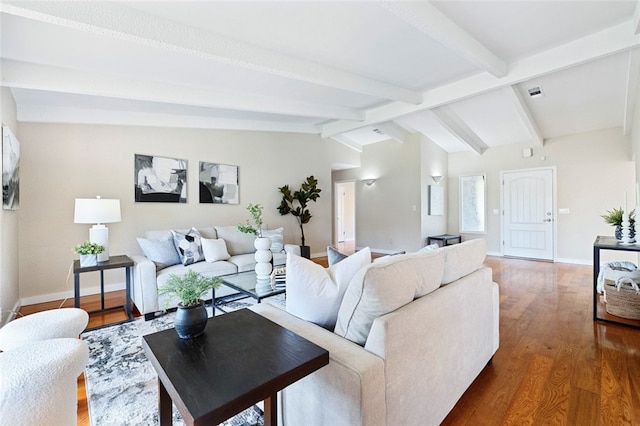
160,179
10,170
218,183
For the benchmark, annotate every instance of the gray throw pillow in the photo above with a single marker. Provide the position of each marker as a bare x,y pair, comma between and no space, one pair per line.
189,246
161,252
334,256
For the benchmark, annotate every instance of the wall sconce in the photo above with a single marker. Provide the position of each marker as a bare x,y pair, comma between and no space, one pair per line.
99,211
437,178
369,182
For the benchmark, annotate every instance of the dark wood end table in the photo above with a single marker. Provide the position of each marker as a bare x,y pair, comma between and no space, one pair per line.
114,262
242,358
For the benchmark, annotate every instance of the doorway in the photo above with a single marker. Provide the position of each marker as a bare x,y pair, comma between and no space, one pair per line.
345,215
528,213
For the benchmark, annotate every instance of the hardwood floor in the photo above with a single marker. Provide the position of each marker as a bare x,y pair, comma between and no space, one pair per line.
554,365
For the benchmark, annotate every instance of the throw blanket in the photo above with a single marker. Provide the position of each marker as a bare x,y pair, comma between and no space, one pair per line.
628,266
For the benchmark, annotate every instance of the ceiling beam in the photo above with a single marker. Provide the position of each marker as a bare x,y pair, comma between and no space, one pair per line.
459,129
347,141
394,131
47,114
525,115
595,46
427,19
631,94
119,22
44,77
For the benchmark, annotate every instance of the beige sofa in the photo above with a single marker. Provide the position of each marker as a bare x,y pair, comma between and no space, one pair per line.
417,360
149,275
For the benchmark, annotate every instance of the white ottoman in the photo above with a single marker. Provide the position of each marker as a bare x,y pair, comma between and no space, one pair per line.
38,382
52,324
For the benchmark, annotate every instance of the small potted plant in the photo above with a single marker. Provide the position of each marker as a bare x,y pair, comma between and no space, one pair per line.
614,217
262,244
191,314
88,252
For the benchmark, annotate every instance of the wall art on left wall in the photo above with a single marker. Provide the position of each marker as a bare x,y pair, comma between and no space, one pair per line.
10,170
218,183
160,179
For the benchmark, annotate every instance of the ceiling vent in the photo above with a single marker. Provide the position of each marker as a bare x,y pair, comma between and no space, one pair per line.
535,92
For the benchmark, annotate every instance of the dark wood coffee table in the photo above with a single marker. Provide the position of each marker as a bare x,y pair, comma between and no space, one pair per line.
242,358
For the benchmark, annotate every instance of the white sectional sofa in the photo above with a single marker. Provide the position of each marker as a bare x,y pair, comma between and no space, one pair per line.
149,275
410,365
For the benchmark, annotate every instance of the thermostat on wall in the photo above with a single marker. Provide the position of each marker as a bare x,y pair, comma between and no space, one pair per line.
527,152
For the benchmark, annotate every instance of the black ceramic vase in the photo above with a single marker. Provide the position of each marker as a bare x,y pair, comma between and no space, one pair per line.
618,233
190,321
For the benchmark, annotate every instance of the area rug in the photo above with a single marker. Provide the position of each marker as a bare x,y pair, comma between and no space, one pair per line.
121,384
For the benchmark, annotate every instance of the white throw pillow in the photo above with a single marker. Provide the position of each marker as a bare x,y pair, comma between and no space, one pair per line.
277,239
214,250
315,293
430,247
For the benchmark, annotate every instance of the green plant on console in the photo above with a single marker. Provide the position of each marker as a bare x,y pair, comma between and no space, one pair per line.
255,211
614,217
189,288
88,248
308,191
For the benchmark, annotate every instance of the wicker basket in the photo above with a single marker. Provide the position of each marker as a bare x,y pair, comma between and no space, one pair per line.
623,298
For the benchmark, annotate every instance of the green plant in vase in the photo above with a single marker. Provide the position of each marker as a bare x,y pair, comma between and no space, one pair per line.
89,252
88,248
191,314
614,218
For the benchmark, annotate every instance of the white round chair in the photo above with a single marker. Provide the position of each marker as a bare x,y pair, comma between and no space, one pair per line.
52,324
38,382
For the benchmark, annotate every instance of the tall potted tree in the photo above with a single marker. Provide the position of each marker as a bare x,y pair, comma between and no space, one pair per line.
296,204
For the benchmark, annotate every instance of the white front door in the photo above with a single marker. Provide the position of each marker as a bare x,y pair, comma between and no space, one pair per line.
528,220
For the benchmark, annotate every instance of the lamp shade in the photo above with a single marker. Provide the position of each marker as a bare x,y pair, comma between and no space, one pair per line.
97,210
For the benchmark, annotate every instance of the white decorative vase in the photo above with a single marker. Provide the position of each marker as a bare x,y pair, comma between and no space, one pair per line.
88,260
263,257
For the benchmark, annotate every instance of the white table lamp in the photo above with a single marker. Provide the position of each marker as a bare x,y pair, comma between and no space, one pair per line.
98,211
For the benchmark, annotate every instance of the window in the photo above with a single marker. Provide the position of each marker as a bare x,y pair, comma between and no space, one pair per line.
472,203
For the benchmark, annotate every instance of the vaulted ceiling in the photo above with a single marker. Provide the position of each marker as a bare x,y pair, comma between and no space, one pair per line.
460,72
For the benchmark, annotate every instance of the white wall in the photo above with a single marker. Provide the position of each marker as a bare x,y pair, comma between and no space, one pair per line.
64,162
390,213
9,292
593,171
635,135
434,163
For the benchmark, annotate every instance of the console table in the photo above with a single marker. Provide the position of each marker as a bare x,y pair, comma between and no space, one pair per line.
446,239
114,262
599,310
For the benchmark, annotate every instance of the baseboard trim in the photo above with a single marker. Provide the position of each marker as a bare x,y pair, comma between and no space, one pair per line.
575,261
43,298
559,260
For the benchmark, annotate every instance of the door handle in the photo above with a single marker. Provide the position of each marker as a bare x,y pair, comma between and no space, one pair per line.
547,220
